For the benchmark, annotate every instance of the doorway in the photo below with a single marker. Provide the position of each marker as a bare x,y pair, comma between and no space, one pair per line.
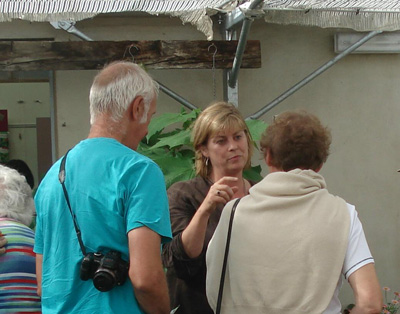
28,105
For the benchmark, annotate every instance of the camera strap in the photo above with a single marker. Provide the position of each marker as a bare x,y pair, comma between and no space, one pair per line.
61,177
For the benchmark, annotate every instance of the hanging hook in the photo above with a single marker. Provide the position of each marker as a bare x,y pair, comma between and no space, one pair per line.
215,47
130,52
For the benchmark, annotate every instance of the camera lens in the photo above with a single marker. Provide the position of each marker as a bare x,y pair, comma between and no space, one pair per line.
104,280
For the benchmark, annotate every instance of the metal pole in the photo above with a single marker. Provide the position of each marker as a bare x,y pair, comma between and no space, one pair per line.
313,75
237,62
231,94
52,86
175,96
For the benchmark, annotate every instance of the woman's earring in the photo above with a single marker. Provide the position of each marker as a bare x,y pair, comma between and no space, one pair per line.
206,162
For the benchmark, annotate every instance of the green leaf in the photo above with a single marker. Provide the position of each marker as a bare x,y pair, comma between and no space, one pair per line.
192,114
189,153
253,173
256,128
149,150
175,169
179,176
159,123
175,140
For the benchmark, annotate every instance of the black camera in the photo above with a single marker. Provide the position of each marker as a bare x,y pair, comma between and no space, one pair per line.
105,270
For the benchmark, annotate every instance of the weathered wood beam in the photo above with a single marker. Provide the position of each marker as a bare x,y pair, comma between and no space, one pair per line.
89,55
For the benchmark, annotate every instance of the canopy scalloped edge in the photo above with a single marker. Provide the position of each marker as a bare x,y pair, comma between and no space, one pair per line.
365,21
195,12
360,15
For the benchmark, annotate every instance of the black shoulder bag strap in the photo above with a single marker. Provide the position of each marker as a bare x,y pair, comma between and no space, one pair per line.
228,240
61,177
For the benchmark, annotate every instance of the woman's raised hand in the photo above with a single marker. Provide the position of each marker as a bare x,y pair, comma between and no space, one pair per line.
221,191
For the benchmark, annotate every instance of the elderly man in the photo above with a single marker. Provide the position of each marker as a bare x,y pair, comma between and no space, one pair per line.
108,210
292,241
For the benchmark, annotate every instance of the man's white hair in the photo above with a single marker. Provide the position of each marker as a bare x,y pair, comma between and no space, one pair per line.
16,201
116,86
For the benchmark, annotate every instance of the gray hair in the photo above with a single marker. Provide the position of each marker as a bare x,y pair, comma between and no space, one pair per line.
16,199
116,86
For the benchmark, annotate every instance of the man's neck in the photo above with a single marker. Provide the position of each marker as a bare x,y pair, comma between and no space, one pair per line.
104,127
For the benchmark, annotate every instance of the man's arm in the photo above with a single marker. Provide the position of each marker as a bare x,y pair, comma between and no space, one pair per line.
146,271
39,262
367,291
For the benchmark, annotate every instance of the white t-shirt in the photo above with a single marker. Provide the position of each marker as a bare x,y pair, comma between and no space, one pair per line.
357,256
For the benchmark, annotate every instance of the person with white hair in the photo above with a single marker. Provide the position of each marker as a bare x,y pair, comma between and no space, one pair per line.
17,264
102,210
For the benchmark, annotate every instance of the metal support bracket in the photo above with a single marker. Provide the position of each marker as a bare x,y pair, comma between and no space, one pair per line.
233,19
70,28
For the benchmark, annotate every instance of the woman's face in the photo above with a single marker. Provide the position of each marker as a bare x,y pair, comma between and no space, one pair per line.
227,151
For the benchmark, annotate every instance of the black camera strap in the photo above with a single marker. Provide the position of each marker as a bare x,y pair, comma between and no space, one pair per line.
61,177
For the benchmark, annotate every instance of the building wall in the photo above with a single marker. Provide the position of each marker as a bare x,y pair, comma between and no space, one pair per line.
358,99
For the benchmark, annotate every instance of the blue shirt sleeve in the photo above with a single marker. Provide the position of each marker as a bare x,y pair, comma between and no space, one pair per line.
147,202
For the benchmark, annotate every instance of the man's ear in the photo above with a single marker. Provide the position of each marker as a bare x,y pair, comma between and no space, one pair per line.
136,108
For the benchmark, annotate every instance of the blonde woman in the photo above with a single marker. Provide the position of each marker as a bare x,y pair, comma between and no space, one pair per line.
223,149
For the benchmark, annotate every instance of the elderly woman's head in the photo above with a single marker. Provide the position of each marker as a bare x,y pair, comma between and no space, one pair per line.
220,122
16,200
296,139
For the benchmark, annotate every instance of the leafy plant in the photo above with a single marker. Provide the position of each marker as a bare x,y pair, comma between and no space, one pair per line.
168,143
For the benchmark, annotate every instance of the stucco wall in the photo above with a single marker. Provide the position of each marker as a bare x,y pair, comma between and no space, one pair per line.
358,99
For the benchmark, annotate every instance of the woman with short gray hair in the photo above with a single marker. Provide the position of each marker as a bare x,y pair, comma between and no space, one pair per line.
17,265
292,242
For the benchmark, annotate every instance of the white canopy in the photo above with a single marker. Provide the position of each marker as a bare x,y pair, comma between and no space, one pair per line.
196,12
361,15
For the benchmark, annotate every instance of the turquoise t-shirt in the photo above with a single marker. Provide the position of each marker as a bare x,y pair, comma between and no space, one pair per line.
112,190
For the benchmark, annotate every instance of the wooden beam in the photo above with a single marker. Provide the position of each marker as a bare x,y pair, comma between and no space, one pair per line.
89,55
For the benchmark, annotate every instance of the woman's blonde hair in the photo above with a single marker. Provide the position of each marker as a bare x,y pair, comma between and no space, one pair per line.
217,117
